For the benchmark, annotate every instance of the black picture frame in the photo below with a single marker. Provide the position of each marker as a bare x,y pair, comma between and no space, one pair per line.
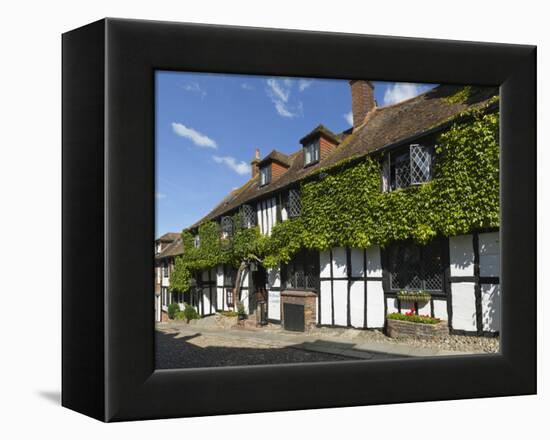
108,219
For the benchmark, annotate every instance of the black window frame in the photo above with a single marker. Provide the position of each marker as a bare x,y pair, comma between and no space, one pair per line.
165,272
292,211
402,155
440,243
304,259
229,272
248,216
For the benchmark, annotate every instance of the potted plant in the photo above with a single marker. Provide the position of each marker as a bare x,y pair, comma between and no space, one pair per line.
419,296
241,311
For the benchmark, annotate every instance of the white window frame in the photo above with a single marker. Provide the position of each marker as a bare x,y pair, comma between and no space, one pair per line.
265,175
312,152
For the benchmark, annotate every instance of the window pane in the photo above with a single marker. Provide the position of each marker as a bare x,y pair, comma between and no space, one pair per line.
421,161
414,267
307,151
294,203
402,171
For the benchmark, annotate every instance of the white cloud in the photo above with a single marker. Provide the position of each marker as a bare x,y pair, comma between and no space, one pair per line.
348,117
159,195
240,168
304,84
246,86
402,91
194,87
280,91
197,138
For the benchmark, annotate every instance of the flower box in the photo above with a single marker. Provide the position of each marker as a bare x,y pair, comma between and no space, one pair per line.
398,328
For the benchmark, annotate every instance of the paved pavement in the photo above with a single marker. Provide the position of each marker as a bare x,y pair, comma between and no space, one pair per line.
332,345
197,350
229,346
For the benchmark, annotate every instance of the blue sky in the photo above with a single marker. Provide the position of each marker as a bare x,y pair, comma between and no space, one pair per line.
209,125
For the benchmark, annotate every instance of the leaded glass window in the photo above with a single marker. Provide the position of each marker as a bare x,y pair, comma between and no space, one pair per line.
421,164
227,226
302,272
294,203
415,267
248,216
406,167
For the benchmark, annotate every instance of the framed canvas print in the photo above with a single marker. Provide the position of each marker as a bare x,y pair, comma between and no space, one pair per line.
261,220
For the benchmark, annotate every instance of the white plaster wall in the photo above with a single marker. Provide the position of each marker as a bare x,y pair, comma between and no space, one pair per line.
464,306
326,304
244,278
374,265
357,263
375,304
489,254
340,302
219,275
424,308
260,221
221,298
324,264
274,306
440,309
391,305
273,213
357,303
284,213
206,300
339,269
490,307
274,278
461,250
165,281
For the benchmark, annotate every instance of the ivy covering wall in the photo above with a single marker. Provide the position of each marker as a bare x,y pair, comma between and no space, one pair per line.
344,206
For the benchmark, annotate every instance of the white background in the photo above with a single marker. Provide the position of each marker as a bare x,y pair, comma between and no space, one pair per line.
30,215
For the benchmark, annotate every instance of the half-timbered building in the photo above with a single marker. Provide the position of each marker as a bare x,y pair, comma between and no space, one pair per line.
358,287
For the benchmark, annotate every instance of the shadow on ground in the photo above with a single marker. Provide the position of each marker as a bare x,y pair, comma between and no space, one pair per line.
51,396
175,351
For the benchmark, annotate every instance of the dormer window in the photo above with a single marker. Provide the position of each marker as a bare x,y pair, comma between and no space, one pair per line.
311,152
265,175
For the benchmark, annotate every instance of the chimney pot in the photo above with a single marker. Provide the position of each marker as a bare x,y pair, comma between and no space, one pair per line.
255,163
362,100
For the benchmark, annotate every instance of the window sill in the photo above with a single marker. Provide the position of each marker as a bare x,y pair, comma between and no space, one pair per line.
307,165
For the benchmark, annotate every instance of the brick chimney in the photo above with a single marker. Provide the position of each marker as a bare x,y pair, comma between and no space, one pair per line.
362,100
255,163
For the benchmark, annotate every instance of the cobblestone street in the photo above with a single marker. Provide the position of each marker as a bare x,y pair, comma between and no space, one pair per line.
174,350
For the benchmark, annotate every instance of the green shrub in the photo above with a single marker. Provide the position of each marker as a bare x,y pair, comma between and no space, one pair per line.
180,316
414,318
240,309
190,313
172,310
229,313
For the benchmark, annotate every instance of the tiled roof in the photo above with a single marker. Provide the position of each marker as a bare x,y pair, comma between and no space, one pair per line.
276,156
173,249
169,236
383,126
